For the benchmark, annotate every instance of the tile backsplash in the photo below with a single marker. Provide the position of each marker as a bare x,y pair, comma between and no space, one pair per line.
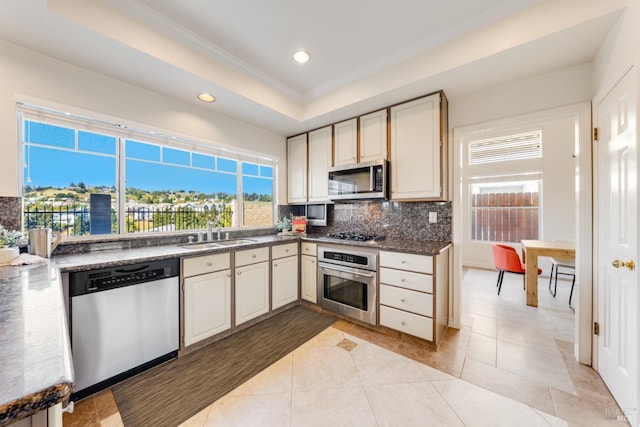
396,220
10,213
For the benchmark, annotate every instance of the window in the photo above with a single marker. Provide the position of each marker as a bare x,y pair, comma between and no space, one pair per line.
505,209
83,176
506,148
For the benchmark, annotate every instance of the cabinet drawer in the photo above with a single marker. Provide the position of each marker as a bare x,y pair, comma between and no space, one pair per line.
309,248
251,256
408,323
404,299
205,264
281,251
407,279
411,262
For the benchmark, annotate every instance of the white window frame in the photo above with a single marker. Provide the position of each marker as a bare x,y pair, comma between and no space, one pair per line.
31,112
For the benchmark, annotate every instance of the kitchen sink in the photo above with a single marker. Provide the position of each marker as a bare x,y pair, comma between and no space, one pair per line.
200,245
217,243
234,242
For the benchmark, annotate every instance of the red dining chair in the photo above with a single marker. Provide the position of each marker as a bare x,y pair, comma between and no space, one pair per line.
505,258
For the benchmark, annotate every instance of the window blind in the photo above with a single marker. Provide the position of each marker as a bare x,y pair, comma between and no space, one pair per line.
506,148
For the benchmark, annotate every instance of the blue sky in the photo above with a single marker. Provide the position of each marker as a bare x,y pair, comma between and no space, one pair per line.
148,166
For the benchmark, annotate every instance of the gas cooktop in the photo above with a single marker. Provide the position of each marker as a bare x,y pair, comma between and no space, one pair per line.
359,237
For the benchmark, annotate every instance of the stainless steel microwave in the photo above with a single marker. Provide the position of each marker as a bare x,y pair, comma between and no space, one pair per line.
366,180
317,214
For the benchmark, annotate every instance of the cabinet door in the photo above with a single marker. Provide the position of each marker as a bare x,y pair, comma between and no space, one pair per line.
309,278
207,305
346,142
252,291
416,149
297,169
319,162
285,281
373,136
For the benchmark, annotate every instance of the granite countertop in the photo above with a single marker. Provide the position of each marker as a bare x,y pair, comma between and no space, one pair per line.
35,353
396,245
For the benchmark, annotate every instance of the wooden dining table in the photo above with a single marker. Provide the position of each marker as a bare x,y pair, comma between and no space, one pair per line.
531,250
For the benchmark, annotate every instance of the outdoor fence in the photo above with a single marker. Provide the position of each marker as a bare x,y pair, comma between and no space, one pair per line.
76,221
505,217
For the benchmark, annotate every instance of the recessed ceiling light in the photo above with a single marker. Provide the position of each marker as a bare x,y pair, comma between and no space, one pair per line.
301,56
205,97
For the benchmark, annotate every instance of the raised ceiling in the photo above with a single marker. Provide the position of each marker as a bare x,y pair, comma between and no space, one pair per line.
364,54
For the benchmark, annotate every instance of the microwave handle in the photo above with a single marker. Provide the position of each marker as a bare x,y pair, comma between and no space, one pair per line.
371,174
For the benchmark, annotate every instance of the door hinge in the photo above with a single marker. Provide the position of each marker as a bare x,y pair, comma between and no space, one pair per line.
596,328
595,134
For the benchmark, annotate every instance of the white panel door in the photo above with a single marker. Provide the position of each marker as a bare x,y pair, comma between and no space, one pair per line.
617,243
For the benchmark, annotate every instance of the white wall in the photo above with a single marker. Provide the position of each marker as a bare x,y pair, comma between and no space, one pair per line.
619,49
538,93
27,75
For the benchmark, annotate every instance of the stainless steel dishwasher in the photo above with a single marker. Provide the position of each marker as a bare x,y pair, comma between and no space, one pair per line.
123,320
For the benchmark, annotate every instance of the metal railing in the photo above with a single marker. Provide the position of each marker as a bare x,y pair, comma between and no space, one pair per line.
77,221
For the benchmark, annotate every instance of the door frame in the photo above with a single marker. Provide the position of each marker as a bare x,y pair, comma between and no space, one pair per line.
584,218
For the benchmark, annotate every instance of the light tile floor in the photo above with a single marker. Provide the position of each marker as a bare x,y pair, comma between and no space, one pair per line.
508,365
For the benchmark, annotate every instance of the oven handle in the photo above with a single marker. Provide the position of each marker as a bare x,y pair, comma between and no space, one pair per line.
346,270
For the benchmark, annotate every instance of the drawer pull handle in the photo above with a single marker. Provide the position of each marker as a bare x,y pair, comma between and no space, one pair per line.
403,300
286,250
253,256
403,280
275,265
403,323
228,274
239,273
313,261
209,263
403,262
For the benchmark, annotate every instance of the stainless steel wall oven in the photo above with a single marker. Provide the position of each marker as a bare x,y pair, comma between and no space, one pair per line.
347,281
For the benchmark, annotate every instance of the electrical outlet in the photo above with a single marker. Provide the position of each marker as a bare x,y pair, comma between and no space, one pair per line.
433,217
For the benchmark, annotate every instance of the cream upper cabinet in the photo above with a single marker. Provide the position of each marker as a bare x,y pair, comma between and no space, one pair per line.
346,142
319,163
373,136
417,160
297,169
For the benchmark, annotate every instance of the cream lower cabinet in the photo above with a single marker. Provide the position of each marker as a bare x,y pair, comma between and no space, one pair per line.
251,284
284,274
414,293
309,272
207,296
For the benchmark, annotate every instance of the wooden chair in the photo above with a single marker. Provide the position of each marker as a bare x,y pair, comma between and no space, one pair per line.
506,259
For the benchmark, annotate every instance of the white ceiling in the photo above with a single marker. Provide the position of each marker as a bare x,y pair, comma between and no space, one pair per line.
365,54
